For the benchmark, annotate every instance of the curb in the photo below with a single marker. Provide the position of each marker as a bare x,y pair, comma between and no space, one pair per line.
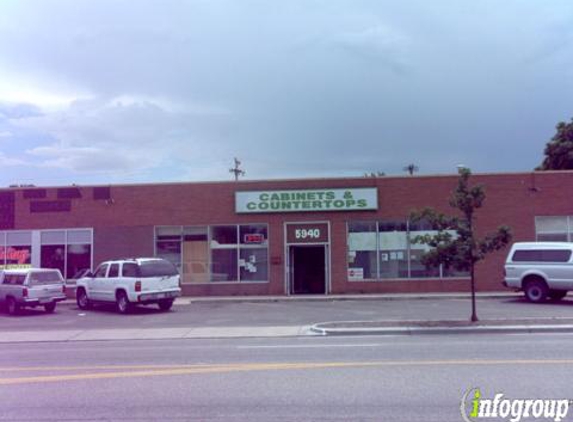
412,330
188,300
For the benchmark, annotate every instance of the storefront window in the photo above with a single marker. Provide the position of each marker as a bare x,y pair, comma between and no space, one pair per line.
223,235
553,229
226,253
224,265
417,250
386,250
253,234
254,264
195,255
168,244
78,259
393,242
362,247
68,250
18,249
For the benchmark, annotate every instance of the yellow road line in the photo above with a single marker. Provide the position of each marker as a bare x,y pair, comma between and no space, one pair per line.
154,371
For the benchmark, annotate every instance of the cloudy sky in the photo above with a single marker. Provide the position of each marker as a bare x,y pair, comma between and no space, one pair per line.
98,91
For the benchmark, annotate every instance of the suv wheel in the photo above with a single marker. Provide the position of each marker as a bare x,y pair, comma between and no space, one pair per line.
123,305
165,305
82,299
12,306
536,290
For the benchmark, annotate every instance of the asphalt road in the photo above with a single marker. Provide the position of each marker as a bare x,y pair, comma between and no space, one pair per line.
292,313
297,379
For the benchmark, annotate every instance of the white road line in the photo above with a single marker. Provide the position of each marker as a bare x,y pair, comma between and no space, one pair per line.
308,346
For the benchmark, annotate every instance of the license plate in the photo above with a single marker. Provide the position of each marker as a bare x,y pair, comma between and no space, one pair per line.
48,300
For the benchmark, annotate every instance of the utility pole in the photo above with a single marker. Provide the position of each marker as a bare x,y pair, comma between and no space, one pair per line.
411,169
236,170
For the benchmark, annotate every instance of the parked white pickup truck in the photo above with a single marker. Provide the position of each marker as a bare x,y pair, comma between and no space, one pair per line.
31,287
130,282
541,270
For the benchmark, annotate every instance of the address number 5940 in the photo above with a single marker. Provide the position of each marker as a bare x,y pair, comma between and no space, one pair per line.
307,233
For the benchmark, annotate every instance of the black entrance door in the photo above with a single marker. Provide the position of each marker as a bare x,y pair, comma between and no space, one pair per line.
308,270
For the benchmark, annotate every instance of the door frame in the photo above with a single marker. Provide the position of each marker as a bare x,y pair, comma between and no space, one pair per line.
289,273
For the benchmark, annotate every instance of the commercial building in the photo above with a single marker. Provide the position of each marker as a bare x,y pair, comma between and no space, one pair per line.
279,237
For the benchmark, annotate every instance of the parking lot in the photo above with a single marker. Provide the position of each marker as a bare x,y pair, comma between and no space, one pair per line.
249,313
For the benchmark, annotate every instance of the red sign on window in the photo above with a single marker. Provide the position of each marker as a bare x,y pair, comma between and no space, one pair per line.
254,238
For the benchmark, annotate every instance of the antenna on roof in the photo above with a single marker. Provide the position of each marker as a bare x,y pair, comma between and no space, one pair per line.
236,170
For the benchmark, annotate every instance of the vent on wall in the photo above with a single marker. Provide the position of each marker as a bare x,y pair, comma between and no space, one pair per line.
7,210
34,193
103,193
50,206
69,193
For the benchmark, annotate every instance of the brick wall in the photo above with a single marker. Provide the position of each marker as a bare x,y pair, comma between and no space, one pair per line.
123,223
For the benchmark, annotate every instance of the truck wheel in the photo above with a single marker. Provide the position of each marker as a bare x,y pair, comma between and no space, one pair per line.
166,304
82,299
536,290
12,306
122,302
50,307
557,294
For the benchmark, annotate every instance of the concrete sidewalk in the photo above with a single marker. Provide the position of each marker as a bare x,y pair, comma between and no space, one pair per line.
187,300
151,334
387,325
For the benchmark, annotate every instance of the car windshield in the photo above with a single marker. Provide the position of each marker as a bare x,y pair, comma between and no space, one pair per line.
157,268
45,277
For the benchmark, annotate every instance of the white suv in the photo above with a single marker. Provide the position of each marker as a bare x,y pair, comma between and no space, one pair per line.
541,269
129,282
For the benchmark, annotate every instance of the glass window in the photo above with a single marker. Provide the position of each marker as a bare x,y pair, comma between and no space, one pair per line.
53,256
100,272
19,238
542,255
55,237
417,250
254,264
386,250
253,234
113,271
157,268
362,248
129,269
195,255
45,277
169,250
16,279
168,233
18,256
80,236
224,265
393,241
78,260
552,229
223,235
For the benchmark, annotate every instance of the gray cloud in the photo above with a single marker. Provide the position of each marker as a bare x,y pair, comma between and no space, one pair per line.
156,91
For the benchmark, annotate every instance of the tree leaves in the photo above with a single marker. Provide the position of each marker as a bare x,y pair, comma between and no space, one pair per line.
559,150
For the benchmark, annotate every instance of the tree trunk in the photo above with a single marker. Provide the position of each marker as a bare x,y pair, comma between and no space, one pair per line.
474,317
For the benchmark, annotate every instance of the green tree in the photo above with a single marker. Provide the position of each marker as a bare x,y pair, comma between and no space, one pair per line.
456,245
559,150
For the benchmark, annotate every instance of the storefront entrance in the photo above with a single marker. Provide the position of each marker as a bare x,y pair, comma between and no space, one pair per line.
308,269
308,260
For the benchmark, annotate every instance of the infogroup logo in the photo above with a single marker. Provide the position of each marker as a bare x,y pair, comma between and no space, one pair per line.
474,407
